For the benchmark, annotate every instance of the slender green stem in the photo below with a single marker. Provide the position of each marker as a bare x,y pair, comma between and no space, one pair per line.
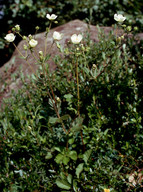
35,57
53,100
47,39
24,58
78,95
78,102
20,35
57,113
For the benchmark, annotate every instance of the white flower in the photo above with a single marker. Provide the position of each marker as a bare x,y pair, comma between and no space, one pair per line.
76,39
57,36
33,43
51,17
10,37
119,17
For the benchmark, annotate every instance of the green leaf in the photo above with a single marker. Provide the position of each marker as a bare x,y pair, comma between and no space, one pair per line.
79,169
63,184
86,70
76,128
14,188
68,97
66,160
103,55
59,158
86,155
77,124
57,149
65,117
73,155
69,178
49,155
54,120
71,141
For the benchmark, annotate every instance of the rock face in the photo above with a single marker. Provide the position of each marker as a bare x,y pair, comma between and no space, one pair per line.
16,64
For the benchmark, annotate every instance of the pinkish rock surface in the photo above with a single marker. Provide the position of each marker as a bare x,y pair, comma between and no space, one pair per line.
16,65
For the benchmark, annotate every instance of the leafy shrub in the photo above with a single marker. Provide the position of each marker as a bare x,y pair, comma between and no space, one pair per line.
78,128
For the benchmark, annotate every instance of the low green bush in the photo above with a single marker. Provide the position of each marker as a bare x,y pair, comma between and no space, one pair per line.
78,128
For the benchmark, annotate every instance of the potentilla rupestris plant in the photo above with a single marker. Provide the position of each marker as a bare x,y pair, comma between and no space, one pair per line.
64,133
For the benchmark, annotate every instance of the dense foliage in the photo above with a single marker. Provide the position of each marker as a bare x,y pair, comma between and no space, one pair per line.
96,12
78,128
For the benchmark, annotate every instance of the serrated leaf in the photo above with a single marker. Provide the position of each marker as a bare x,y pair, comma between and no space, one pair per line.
79,169
68,97
65,117
65,160
86,155
77,124
86,70
76,128
54,120
63,184
63,176
73,155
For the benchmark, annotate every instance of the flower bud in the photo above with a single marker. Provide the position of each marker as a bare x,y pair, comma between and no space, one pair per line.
24,37
40,53
37,28
58,99
122,37
17,27
94,66
129,28
118,39
25,47
82,47
30,37
13,29
136,28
